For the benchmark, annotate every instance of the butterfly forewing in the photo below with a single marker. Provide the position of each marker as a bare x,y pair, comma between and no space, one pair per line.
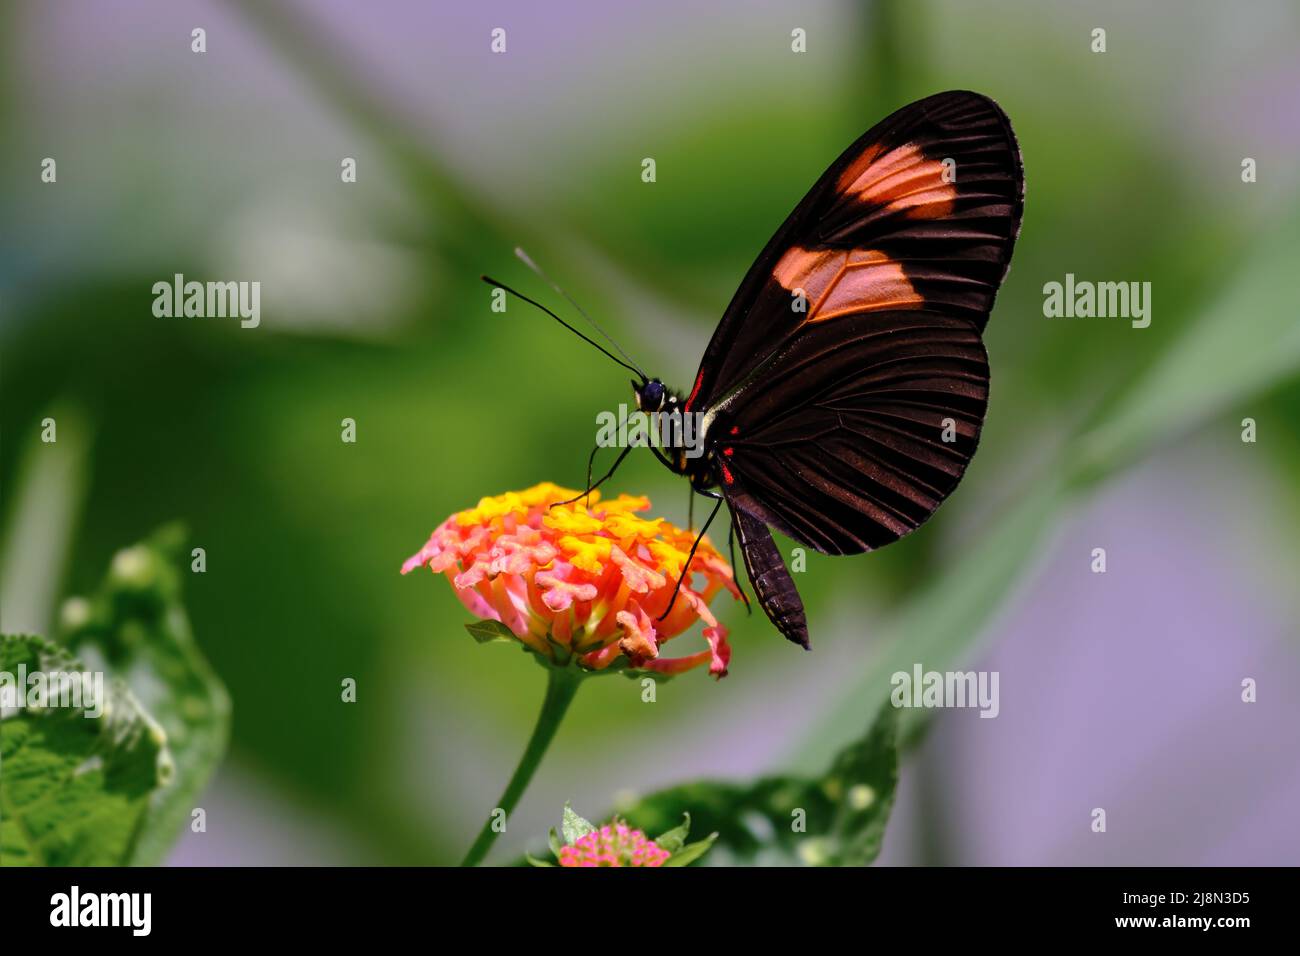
924,207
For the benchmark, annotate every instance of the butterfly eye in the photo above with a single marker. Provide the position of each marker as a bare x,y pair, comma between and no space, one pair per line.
652,395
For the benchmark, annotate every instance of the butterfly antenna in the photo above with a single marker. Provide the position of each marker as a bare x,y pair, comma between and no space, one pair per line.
528,261
533,302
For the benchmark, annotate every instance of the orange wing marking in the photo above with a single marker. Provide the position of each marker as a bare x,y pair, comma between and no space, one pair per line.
901,180
840,281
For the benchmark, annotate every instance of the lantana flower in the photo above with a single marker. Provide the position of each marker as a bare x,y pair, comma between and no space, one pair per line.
585,581
583,585
580,843
614,844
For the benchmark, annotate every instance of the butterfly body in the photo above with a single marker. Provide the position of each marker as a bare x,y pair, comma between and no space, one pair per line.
844,390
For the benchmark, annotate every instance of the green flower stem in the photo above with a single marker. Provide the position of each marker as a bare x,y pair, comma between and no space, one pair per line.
561,685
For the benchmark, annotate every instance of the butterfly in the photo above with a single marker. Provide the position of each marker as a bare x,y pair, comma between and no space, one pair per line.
843,392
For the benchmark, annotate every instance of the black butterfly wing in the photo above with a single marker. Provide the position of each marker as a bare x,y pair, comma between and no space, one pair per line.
846,423
923,209
853,439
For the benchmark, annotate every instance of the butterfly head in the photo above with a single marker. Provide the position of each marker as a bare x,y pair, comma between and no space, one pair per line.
650,396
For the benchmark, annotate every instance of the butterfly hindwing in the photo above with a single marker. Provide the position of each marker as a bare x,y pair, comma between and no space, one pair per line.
858,453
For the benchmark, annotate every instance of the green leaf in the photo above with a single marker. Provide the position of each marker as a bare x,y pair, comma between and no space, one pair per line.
74,787
862,781
136,623
533,861
487,632
675,839
837,818
692,852
574,827
556,845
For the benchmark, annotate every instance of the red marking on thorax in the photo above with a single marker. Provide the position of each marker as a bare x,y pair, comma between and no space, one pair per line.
727,476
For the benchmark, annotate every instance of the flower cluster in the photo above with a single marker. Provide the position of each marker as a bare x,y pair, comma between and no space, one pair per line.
614,845
579,842
587,579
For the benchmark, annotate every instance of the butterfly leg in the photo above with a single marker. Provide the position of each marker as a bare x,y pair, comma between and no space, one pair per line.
593,486
687,566
666,460
591,460
731,543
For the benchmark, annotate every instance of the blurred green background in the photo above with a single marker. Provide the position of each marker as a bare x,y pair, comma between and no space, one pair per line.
226,166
